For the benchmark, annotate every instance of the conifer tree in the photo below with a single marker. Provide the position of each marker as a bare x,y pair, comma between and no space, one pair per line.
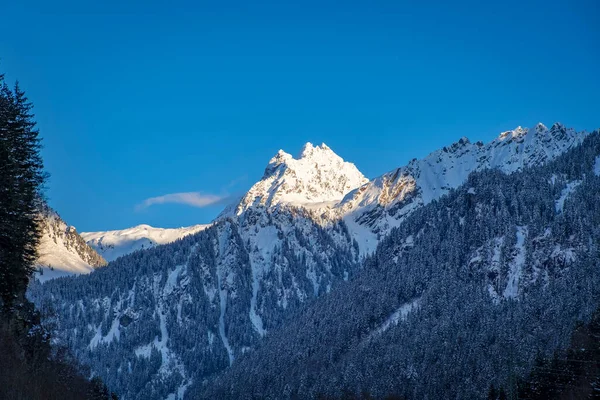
21,184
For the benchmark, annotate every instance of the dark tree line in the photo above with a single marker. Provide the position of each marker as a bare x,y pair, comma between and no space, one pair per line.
570,374
29,367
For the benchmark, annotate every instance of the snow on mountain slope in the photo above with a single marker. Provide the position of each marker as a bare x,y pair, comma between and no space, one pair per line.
317,176
323,183
420,304
372,210
62,251
178,313
114,244
216,294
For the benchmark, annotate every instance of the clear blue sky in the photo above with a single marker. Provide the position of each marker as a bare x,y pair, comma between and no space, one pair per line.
139,99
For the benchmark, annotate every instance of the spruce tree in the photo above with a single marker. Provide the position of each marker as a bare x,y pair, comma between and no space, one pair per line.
21,184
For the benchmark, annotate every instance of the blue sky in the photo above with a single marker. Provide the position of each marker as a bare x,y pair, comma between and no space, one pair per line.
141,99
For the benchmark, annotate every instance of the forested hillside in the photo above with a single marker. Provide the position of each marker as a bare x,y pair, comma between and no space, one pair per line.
154,321
465,294
572,373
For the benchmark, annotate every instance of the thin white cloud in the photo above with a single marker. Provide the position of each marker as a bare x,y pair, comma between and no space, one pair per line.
194,199
237,181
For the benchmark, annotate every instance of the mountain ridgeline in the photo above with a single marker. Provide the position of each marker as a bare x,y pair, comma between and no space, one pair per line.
114,244
321,282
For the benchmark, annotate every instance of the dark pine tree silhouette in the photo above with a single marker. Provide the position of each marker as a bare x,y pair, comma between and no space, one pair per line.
29,367
21,184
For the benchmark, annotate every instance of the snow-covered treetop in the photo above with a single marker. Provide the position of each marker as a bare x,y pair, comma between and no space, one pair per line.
318,175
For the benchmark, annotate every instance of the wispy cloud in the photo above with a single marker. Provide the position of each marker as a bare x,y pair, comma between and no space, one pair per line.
237,182
194,199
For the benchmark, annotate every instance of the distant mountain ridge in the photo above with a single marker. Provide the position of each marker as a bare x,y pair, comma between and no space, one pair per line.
117,243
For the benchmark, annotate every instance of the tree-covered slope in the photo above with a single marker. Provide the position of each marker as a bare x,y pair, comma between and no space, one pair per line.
464,294
152,322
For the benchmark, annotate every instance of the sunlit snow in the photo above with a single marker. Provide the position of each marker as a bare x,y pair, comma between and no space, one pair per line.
114,244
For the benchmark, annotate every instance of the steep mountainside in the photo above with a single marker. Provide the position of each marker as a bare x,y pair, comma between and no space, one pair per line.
156,321
470,289
114,244
62,251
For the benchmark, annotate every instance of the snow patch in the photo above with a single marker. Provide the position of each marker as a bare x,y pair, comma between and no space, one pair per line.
264,239
494,266
570,188
516,266
367,240
398,316
179,394
144,351
114,333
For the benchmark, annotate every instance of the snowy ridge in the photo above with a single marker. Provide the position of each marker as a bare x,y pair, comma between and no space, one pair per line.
372,210
114,244
62,251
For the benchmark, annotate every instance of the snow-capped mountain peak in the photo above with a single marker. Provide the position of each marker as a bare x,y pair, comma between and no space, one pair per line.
557,130
317,175
519,131
540,128
311,151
